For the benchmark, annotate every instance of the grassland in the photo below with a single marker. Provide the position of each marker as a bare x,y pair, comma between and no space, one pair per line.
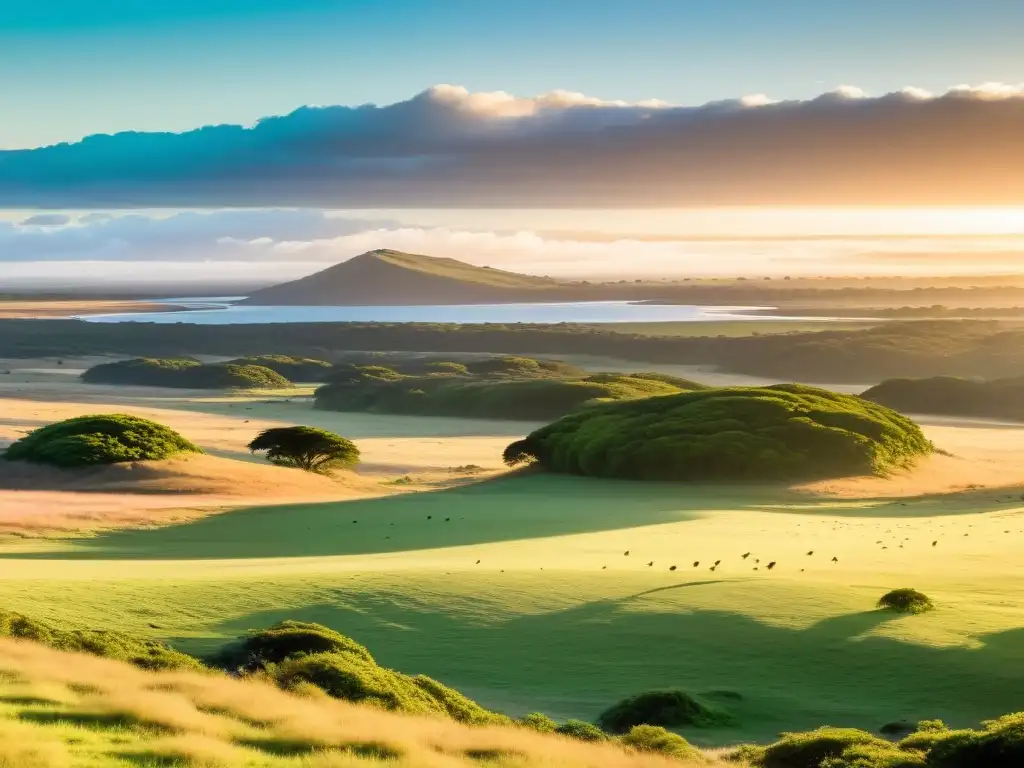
60,710
735,328
516,590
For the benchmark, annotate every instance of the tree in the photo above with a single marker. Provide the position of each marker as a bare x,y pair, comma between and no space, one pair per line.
309,448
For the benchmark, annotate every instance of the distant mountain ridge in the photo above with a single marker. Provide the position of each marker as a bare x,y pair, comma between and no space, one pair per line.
387,277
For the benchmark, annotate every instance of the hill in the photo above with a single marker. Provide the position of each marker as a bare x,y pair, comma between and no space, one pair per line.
392,277
782,432
951,396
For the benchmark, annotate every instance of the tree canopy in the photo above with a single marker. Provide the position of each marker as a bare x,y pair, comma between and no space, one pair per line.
308,448
100,439
782,432
185,373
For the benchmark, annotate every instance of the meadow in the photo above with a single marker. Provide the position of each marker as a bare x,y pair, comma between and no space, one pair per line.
515,588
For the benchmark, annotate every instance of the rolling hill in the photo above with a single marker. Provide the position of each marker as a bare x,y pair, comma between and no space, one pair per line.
392,277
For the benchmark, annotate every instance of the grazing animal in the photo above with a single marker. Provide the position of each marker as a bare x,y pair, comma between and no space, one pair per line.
757,560
650,564
696,563
746,556
934,543
430,517
447,519
713,567
717,562
810,553
478,563
835,559
756,568
626,553
604,567
672,567
770,565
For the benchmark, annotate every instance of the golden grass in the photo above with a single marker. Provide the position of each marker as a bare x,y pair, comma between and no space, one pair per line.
59,709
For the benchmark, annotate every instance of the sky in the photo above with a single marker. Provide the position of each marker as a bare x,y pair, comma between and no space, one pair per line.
70,68
265,139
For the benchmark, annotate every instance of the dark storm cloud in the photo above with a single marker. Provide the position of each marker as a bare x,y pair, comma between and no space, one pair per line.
448,147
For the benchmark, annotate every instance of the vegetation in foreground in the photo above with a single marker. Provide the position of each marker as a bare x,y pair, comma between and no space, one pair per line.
783,432
185,373
308,448
99,439
952,396
60,710
498,388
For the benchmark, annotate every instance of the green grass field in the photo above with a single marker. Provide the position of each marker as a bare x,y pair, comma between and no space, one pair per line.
556,618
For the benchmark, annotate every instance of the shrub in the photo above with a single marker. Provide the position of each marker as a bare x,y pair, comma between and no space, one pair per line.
905,600
666,708
581,731
653,738
308,448
812,748
782,432
185,373
509,397
997,398
285,640
1000,744
297,654
521,367
291,368
352,677
146,654
538,721
99,439
874,756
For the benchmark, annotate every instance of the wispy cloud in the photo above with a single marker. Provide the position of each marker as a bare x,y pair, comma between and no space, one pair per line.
449,147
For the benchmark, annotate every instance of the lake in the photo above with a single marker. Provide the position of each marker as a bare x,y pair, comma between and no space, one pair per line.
221,311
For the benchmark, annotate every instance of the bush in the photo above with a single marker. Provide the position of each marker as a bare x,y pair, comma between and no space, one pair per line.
948,395
905,600
581,731
812,748
296,654
352,677
146,654
185,373
291,368
538,721
285,640
1000,744
308,448
667,708
522,367
529,398
653,738
874,756
100,439
782,432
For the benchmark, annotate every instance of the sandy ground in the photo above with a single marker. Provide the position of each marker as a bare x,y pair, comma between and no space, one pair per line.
399,453
69,308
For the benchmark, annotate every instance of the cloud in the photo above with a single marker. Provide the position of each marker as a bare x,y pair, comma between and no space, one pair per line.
448,147
46,220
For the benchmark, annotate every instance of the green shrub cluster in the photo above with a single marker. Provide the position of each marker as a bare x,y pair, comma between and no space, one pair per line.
147,654
297,653
100,439
905,600
997,744
185,373
951,396
782,432
449,392
291,368
653,738
672,708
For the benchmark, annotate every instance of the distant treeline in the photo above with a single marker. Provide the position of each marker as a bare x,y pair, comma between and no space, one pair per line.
952,396
986,349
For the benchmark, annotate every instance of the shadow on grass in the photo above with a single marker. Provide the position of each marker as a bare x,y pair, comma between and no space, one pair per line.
573,663
93,720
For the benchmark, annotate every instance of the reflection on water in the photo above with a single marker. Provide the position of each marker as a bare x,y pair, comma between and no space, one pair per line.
219,311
